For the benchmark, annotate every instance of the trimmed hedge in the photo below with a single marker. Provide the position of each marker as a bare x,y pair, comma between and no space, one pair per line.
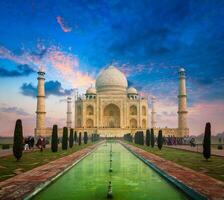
54,139
18,140
65,139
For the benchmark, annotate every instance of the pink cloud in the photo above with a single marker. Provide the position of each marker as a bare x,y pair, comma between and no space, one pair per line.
57,63
8,120
129,69
62,24
203,112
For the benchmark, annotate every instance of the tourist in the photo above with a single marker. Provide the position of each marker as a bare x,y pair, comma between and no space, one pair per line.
41,143
26,146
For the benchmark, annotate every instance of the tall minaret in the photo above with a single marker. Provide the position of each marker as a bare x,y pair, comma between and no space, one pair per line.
75,98
153,113
182,105
40,118
69,112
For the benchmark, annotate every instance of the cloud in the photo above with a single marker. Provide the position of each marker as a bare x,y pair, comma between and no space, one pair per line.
63,25
51,88
132,70
14,109
54,61
203,112
21,70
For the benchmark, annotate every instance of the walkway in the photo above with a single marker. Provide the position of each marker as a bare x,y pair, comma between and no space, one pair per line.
207,186
23,184
198,148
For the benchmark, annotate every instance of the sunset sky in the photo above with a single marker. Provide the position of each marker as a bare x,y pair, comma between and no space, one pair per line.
148,40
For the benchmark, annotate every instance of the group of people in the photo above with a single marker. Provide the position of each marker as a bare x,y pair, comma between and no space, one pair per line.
172,140
29,143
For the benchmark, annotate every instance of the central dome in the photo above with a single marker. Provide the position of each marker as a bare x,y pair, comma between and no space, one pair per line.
111,79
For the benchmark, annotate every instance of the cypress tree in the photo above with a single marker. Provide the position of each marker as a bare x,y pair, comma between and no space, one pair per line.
141,134
75,136
18,140
160,139
152,138
54,139
207,141
85,138
71,138
147,139
80,138
65,138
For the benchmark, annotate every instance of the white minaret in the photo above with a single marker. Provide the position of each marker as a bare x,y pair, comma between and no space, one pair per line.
69,112
75,98
40,117
182,105
153,113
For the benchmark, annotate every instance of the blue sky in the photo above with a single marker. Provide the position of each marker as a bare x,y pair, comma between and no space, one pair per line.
148,40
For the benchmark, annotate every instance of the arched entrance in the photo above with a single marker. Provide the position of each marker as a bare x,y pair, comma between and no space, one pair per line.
111,116
133,123
89,123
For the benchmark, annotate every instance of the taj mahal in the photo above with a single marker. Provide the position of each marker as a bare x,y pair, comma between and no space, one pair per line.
111,108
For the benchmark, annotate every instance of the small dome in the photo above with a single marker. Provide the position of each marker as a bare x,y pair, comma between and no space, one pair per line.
111,79
132,90
181,70
91,90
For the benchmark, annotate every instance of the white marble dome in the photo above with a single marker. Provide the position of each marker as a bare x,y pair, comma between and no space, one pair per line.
91,90
111,79
132,90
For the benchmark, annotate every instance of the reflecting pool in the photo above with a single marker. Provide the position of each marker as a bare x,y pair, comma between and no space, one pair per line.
131,179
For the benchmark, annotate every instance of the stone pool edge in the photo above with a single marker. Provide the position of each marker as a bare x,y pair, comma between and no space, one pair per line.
193,194
42,186
46,184
23,185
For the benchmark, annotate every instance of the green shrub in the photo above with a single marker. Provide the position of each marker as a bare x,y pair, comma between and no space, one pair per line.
160,139
141,138
71,138
85,138
152,138
207,141
147,139
54,139
65,138
75,136
18,140
80,138
5,146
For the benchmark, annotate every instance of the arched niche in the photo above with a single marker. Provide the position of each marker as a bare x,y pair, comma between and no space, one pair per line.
133,123
133,110
111,116
144,110
89,110
143,123
89,123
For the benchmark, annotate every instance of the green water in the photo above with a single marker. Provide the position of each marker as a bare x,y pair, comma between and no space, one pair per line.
131,179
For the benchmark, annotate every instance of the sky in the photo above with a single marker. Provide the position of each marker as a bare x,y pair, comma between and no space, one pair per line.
72,41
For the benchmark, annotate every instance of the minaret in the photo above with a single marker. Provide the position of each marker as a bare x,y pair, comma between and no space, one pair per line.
75,99
153,113
69,112
182,105
40,117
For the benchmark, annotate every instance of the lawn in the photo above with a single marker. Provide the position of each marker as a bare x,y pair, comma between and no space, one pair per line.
9,167
214,167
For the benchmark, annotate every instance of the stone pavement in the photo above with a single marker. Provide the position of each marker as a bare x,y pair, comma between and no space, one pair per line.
197,148
23,184
207,186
